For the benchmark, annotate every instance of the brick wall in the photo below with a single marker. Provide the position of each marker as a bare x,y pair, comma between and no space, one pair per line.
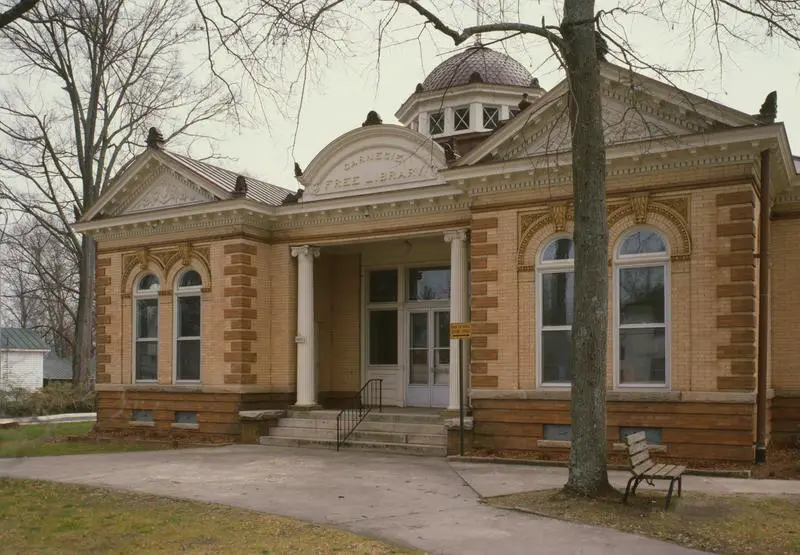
736,289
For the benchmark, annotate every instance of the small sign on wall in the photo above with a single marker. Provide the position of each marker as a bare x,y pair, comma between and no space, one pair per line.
460,330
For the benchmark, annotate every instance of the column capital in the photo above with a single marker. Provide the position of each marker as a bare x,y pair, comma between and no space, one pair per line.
305,250
455,235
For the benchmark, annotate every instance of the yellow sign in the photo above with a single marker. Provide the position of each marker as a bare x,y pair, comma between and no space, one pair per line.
460,330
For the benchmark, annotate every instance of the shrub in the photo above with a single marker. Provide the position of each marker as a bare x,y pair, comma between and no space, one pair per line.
55,398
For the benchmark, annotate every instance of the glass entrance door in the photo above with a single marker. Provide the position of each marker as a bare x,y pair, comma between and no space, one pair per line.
428,358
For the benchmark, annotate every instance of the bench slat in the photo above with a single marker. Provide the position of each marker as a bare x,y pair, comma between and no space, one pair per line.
637,448
676,471
635,438
643,468
654,470
639,458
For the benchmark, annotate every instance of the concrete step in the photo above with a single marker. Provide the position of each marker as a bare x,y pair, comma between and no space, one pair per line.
399,448
374,416
366,426
435,440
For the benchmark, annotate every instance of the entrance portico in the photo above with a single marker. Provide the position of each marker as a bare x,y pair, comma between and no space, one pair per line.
409,291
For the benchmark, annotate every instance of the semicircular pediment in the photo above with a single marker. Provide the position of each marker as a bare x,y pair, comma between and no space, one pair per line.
373,159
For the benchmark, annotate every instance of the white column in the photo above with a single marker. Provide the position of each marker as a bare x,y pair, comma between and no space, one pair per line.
458,304
306,351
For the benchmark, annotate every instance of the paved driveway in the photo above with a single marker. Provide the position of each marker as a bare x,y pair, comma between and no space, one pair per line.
419,502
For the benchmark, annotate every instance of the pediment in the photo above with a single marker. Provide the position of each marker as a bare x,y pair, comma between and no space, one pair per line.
373,159
160,188
621,124
636,109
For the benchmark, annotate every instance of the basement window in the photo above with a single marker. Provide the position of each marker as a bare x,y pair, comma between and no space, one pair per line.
141,415
558,432
185,417
652,435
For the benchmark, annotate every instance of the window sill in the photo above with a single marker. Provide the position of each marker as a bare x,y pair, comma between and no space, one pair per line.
143,423
184,426
559,443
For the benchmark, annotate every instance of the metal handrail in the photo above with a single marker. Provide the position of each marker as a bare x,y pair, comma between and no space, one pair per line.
368,397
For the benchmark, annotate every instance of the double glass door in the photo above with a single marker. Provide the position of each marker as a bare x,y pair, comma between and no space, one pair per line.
429,357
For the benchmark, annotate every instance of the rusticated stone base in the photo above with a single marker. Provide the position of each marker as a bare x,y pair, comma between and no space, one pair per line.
217,414
689,430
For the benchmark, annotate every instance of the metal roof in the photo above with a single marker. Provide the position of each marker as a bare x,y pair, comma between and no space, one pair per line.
493,67
22,339
257,190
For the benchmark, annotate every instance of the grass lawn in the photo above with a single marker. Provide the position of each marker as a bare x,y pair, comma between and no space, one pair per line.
44,517
38,440
729,524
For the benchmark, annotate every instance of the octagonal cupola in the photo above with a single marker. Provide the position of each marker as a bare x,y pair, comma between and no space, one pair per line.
469,94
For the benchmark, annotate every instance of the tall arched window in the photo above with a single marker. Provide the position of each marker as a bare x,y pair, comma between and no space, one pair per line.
641,311
146,326
555,301
187,326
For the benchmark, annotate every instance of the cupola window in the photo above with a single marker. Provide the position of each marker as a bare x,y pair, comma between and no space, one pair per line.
461,118
491,117
436,123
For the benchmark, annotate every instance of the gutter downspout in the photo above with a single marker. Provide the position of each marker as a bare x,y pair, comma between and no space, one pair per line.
763,309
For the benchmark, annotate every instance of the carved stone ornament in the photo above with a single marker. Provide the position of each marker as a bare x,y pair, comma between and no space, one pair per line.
639,205
185,251
558,214
143,257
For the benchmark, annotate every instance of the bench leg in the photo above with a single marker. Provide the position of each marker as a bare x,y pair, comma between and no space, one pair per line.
669,495
628,488
635,486
680,484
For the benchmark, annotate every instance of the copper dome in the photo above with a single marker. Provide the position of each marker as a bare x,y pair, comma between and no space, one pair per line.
478,64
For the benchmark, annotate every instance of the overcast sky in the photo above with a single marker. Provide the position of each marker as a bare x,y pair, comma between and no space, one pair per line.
344,89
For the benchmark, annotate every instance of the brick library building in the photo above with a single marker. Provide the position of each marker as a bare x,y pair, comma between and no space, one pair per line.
222,297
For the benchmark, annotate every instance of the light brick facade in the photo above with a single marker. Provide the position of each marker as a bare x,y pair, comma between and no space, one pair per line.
701,194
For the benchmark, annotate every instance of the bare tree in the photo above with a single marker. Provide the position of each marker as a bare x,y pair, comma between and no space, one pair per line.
40,284
87,79
580,36
15,11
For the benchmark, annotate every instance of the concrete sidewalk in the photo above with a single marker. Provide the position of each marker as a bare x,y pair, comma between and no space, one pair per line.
489,480
412,501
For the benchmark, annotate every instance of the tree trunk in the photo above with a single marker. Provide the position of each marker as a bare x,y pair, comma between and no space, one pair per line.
588,474
82,355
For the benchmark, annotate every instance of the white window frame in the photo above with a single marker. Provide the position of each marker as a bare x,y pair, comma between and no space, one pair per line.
483,116
649,260
193,291
457,118
549,267
141,295
431,115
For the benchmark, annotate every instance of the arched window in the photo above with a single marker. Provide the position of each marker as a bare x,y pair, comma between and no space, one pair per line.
146,326
556,279
641,309
187,326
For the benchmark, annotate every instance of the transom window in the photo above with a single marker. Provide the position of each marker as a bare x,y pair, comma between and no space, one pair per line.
187,324
556,279
146,326
436,123
641,273
461,118
491,117
428,284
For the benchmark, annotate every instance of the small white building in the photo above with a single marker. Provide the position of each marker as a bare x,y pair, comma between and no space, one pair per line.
22,354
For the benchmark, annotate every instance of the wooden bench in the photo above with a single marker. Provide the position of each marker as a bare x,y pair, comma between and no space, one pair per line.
644,469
